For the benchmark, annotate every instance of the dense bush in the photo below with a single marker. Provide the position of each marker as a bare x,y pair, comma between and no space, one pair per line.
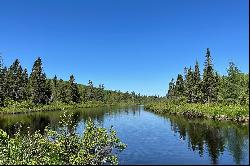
63,146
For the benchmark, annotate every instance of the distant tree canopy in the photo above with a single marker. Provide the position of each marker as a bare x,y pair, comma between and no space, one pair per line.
211,87
17,85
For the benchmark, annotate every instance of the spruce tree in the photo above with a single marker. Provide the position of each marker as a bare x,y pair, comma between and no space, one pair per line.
233,84
55,89
62,91
90,91
100,93
73,90
185,81
48,91
179,86
133,96
25,81
209,81
190,86
20,84
38,83
2,81
244,94
197,83
171,90
15,83
217,86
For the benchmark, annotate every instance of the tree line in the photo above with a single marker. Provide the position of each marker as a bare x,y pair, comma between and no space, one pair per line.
210,87
17,85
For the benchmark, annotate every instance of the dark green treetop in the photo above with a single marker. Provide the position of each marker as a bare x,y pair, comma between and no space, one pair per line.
38,83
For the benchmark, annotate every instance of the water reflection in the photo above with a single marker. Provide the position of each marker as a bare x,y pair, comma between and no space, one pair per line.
39,120
212,136
203,136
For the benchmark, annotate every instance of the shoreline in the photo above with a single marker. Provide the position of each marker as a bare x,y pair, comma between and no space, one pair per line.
193,111
58,107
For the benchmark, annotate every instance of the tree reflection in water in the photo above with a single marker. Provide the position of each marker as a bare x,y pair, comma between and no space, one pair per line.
209,136
212,135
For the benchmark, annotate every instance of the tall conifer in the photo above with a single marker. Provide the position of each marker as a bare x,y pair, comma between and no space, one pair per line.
209,81
73,90
179,86
197,83
38,83
2,81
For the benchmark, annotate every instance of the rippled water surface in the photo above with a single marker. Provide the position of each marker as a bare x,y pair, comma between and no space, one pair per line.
151,138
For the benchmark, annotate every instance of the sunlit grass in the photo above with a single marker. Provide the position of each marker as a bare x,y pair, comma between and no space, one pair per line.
213,110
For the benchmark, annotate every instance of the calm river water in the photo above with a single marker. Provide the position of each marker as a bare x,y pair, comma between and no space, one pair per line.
151,138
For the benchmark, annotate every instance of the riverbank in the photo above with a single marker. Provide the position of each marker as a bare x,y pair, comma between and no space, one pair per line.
235,113
25,107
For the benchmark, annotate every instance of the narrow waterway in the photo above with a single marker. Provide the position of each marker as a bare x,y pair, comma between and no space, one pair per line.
151,138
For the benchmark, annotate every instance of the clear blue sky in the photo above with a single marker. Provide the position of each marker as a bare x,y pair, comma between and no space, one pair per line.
126,44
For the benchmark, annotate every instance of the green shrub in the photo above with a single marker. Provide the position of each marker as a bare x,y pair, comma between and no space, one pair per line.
62,147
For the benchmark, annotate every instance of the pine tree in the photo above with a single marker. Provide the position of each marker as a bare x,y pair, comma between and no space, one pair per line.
217,86
244,94
190,86
100,93
15,83
133,96
197,83
55,89
25,81
38,83
2,81
20,84
48,91
233,84
171,90
179,87
90,91
73,90
208,82
185,81
62,91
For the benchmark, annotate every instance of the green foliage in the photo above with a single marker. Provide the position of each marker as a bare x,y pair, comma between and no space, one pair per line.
2,81
17,87
197,84
37,80
208,82
74,94
171,89
214,111
61,147
189,91
211,88
62,91
236,85
54,89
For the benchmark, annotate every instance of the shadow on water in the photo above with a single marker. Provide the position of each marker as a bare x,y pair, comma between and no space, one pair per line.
39,120
203,136
213,136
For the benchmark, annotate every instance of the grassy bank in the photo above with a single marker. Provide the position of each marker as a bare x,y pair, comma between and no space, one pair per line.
213,111
26,107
